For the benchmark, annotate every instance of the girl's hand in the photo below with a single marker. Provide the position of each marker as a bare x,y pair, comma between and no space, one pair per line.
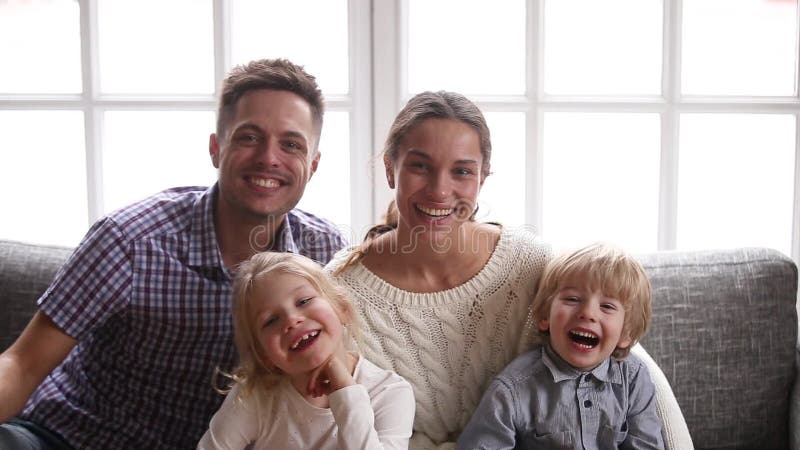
332,375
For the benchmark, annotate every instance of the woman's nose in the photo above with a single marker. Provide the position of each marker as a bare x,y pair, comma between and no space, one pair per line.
439,186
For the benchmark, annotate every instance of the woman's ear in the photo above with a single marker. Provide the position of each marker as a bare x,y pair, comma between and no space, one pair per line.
387,164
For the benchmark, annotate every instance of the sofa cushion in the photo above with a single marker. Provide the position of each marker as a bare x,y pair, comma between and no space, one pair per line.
25,272
724,332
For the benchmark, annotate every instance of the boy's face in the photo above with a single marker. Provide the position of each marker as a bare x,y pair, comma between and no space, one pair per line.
585,326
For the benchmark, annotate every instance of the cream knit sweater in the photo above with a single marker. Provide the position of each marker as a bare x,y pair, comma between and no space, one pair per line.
449,344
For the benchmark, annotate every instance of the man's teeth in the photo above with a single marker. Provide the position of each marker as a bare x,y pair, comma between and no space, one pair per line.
265,182
435,212
304,339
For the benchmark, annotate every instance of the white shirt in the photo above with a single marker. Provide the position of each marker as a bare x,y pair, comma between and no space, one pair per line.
375,413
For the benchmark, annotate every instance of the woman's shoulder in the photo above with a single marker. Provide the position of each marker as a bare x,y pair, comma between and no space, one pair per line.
523,243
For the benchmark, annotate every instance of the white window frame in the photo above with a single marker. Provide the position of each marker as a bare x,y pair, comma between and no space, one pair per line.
93,104
391,92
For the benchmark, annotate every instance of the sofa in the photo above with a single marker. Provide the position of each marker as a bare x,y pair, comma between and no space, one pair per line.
724,332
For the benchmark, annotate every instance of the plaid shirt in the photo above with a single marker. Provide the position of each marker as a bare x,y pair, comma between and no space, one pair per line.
148,298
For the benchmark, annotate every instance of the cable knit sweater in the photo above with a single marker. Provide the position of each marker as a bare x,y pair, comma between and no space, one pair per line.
449,344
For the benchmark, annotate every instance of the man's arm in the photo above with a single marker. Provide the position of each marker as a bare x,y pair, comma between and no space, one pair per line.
38,350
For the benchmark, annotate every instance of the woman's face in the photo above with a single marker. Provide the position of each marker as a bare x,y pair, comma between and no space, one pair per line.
437,176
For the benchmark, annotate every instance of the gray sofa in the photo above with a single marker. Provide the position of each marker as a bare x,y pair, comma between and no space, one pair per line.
724,332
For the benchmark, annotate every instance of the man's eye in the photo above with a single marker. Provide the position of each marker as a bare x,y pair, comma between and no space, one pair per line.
247,139
463,171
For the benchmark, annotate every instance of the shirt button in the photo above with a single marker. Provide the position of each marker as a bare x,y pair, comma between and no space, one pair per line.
587,377
587,403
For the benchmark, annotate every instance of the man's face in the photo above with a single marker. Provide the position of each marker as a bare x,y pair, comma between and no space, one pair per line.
267,155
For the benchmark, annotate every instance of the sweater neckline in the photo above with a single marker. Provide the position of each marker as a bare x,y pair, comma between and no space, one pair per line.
479,282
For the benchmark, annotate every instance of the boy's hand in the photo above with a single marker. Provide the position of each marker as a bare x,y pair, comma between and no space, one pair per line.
332,375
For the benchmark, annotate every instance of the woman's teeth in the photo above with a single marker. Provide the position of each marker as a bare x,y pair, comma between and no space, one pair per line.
434,211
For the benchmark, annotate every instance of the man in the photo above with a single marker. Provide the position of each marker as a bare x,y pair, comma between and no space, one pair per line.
127,340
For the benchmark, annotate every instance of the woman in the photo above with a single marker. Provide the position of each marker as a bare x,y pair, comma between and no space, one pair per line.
443,299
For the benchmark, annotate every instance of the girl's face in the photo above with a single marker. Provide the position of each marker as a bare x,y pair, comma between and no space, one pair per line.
437,175
297,327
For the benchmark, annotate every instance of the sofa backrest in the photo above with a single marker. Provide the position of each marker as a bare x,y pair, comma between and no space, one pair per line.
724,331
25,272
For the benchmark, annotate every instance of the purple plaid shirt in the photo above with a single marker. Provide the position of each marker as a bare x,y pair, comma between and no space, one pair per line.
147,297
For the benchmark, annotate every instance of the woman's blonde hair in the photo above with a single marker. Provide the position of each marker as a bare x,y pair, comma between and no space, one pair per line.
600,266
252,372
423,106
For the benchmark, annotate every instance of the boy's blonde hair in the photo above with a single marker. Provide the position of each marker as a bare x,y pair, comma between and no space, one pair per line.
252,373
600,266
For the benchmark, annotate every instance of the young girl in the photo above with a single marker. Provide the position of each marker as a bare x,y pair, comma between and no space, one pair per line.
297,385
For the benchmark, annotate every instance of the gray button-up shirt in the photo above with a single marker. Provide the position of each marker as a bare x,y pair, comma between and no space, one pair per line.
541,402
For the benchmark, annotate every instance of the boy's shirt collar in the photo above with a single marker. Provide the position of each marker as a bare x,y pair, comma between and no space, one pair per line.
561,370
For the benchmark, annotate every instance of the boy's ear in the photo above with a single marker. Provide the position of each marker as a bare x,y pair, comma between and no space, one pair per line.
544,325
624,342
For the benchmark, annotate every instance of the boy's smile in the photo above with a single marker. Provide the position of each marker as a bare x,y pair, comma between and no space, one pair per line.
585,326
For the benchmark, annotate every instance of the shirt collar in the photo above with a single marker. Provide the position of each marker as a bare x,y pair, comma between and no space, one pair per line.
284,239
561,370
203,245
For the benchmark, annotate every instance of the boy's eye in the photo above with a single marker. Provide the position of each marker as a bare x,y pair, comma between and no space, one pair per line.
270,320
304,301
609,306
571,299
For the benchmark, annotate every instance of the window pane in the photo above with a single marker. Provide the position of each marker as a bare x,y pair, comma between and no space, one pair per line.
610,47
736,181
328,193
601,176
156,47
739,47
312,33
502,198
41,47
478,49
148,151
43,176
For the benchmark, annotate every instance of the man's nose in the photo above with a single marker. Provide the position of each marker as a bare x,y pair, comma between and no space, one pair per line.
269,154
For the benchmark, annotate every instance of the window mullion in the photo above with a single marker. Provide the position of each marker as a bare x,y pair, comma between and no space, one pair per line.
670,123
534,120
92,116
222,41
389,86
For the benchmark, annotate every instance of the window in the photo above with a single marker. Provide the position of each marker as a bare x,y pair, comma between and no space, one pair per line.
105,102
656,124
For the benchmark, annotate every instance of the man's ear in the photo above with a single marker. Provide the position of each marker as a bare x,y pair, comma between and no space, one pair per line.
314,164
389,171
213,149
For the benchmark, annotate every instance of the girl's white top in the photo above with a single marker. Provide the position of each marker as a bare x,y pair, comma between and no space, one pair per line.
375,413
449,344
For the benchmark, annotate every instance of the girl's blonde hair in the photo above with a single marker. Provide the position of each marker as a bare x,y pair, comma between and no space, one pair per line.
252,373
599,266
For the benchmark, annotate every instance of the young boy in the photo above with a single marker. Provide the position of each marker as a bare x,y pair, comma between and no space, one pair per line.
578,388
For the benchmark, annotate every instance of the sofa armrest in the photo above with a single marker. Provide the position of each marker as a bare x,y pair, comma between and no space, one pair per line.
794,407
675,432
